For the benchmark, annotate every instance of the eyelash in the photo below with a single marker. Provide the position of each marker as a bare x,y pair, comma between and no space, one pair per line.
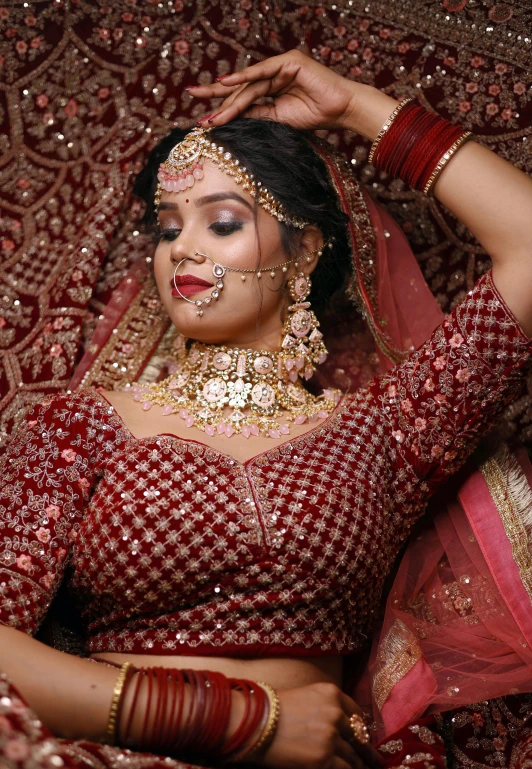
219,228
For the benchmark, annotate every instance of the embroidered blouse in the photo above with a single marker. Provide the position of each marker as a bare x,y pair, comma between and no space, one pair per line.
173,547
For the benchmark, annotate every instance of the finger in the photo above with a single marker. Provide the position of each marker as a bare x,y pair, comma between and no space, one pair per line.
214,90
346,751
349,706
240,103
263,70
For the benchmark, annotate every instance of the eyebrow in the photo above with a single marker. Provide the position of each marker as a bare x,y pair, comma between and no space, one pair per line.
215,197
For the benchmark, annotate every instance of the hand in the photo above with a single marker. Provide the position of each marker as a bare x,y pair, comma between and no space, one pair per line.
291,88
314,732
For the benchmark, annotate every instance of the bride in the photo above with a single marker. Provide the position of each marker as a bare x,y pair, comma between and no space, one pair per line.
225,533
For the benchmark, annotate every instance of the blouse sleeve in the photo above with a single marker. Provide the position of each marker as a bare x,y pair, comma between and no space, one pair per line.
452,390
46,476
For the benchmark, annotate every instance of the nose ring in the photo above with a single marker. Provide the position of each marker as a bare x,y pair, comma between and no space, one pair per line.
218,271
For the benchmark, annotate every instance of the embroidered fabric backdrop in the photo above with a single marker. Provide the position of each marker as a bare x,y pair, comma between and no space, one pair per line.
87,87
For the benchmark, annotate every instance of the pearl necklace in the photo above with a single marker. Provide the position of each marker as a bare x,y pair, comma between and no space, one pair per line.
228,390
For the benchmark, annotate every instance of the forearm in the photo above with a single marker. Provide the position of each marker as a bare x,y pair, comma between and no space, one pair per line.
69,694
72,696
488,194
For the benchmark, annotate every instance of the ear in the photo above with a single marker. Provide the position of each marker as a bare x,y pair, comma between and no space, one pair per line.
310,245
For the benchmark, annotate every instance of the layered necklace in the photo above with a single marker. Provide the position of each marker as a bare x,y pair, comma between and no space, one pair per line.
226,390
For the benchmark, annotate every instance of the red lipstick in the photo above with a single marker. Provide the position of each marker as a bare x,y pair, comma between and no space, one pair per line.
188,285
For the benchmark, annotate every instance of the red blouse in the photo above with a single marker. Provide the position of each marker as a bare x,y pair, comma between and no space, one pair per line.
176,548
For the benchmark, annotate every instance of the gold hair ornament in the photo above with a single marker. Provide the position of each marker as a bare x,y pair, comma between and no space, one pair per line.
184,166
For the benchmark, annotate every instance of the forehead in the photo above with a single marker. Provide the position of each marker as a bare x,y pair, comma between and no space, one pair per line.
214,181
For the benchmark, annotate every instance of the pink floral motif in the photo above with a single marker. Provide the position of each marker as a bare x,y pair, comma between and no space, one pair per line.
71,108
449,61
478,720
492,109
16,750
471,87
520,88
385,33
406,406
103,92
440,399
77,275
43,535
454,5
340,31
4,14
127,16
21,46
440,363
436,452
53,511
398,435
69,454
24,562
23,183
30,21
464,106
429,385
494,89
463,375
353,44
182,47
420,423
244,23
501,68
477,61
364,25
507,113
367,54
55,350
35,42
8,245
42,100
403,47
84,484
337,56
456,340
58,324
392,391
3,321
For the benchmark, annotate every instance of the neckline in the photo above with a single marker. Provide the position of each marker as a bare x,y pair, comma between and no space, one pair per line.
342,403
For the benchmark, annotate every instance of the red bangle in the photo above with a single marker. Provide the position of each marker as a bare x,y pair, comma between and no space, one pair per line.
416,145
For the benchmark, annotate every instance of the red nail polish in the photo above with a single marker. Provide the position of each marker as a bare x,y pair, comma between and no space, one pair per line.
191,87
222,76
203,119
211,117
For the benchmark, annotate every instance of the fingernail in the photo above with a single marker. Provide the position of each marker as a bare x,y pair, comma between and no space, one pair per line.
211,117
191,87
222,76
204,118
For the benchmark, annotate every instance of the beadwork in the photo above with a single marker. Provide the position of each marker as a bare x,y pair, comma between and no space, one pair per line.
184,166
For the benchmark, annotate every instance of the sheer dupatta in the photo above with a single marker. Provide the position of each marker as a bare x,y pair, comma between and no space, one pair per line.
458,621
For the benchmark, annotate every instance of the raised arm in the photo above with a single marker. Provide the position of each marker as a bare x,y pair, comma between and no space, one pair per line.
489,195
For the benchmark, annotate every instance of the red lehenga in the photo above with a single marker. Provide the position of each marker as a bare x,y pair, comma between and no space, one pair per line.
173,547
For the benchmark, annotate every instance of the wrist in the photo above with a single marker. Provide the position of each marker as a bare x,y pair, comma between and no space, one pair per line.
367,111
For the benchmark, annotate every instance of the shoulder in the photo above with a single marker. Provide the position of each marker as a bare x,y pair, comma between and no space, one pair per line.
83,415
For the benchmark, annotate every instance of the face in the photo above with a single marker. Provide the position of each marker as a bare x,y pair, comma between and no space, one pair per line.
216,217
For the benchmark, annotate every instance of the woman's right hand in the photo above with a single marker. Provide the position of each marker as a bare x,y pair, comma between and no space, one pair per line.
314,732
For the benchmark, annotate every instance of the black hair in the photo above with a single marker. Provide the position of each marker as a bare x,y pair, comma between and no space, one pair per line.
283,159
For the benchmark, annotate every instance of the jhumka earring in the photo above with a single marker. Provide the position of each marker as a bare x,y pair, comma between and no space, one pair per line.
302,347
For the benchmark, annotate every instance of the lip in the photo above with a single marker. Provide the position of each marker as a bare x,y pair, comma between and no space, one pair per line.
188,285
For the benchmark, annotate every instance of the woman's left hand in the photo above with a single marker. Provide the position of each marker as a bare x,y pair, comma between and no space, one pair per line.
291,88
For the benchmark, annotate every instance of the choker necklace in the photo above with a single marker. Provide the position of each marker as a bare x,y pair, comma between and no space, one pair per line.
228,390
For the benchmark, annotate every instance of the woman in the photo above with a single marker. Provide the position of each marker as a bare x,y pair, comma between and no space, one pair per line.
206,532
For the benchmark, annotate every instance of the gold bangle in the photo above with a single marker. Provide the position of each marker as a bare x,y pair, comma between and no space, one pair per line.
386,125
271,724
115,702
445,159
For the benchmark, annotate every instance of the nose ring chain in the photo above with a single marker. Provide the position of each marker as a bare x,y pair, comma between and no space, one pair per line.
219,270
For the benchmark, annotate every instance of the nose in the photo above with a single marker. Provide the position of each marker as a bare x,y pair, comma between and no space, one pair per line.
181,250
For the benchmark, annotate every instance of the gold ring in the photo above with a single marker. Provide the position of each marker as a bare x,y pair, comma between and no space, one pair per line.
360,730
